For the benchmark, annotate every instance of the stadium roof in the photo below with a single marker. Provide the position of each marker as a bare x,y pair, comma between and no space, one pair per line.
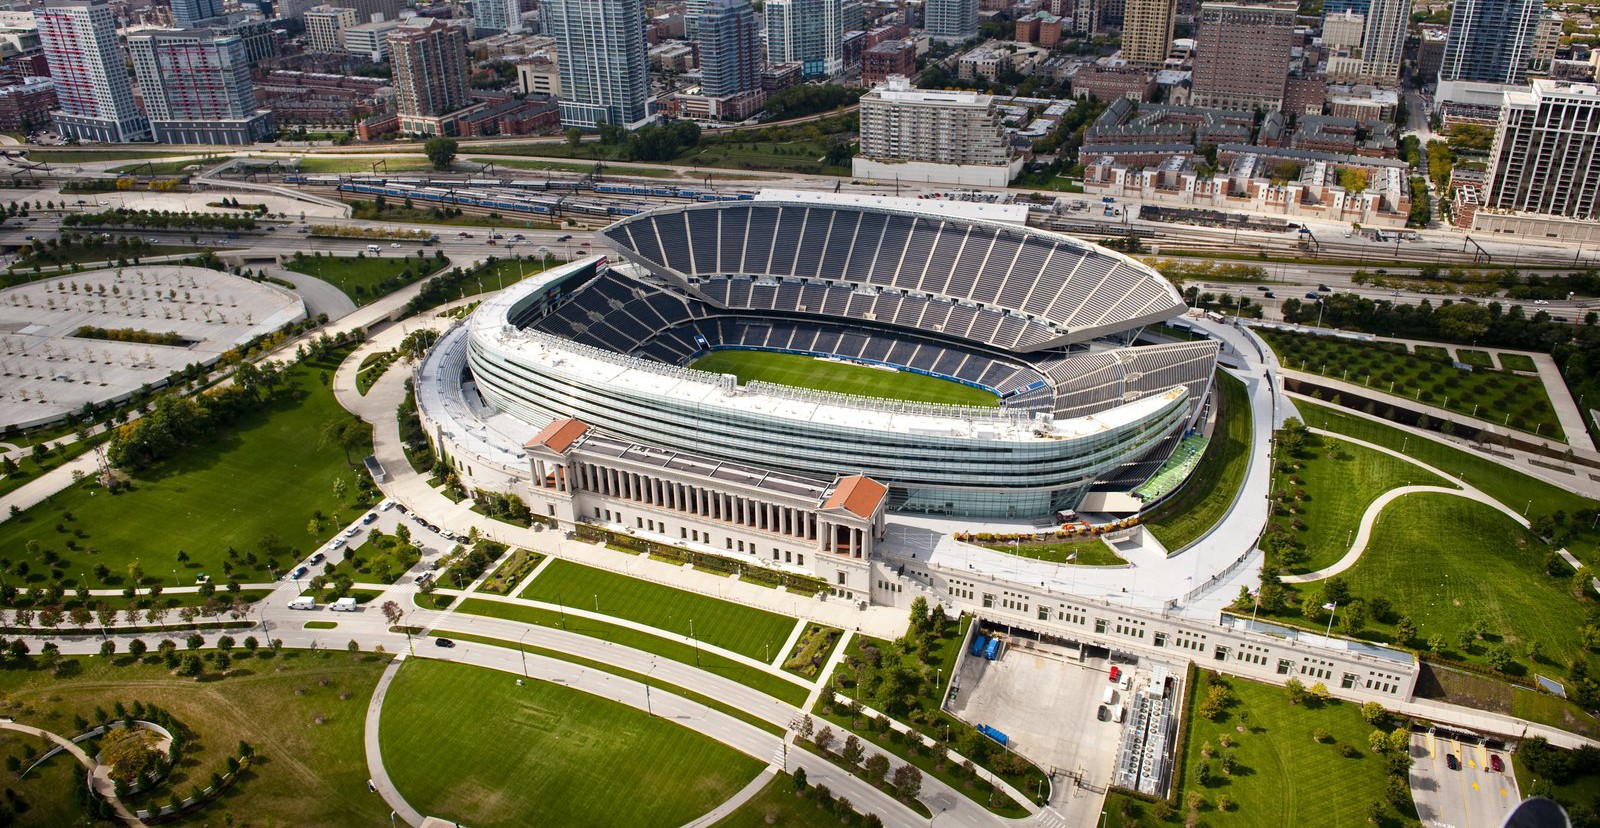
857,494
977,210
559,435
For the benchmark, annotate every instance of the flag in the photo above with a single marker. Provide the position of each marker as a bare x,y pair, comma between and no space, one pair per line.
1329,607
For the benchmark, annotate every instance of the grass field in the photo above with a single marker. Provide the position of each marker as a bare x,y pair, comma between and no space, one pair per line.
41,156
335,164
577,759
1186,516
1514,400
667,647
807,372
1477,359
1449,563
779,805
1338,481
252,488
398,213
745,630
575,167
30,468
1089,552
1509,486
367,278
1281,775
1517,362
168,167
311,768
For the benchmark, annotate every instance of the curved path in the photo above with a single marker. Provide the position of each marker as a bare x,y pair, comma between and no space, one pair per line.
102,782
1370,517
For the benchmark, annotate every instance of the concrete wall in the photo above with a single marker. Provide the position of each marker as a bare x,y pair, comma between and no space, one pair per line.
966,175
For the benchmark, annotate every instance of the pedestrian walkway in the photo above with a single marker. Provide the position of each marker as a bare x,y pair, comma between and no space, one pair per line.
103,785
376,772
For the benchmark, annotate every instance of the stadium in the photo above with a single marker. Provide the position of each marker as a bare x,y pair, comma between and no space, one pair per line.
976,366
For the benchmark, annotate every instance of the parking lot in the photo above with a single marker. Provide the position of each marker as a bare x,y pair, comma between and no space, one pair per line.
432,543
1045,701
1473,795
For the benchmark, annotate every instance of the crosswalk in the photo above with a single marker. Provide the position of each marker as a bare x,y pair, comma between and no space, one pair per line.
1049,818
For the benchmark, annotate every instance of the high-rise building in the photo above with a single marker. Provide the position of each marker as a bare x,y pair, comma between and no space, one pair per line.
807,32
187,14
370,40
935,136
605,70
1242,56
1546,156
496,17
692,10
1147,32
951,21
430,64
92,87
196,87
325,28
1365,39
730,48
1494,41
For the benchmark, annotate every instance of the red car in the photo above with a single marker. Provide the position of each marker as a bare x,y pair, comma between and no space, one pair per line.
1495,764
1116,672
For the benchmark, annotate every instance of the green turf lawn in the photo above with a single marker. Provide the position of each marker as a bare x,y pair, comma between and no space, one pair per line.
1507,485
568,166
1517,362
807,372
336,164
779,805
252,487
746,630
1447,561
1090,552
43,156
1432,352
30,468
1477,359
672,647
1281,775
577,759
168,167
1200,504
395,212
1494,395
368,277
1339,481
309,773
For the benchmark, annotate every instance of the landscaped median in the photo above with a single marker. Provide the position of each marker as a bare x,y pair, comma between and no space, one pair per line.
1201,503
666,645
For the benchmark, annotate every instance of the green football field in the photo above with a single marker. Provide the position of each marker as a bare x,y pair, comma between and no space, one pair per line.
809,372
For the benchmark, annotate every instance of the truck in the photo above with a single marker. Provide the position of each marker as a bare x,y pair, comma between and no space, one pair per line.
304,602
979,641
343,605
994,734
372,248
992,652
1111,696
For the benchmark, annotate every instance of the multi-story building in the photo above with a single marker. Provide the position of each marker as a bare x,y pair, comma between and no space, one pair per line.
496,16
933,136
259,38
1242,56
1041,28
605,75
370,10
951,21
1147,32
196,87
26,104
730,49
807,32
1546,156
1495,41
430,75
539,76
891,57
370,40
325,28
1364,40
92,88
1430,51
187,14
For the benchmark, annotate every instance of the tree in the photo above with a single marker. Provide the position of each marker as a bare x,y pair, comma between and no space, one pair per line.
190,665
1295,690
440,152
392,611
824,739
345,433
1405,630
574,136
908,781
108,648
137,648
1373,713
877,767
799,780
853,750
131,754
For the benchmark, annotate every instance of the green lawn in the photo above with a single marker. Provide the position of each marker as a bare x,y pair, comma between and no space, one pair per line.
337,164
168,167
1326,489
1477,359
742,629
1184,517
40,156
312,769
1434,352
575,759
30,468
666,647
1089,552
398,213
1497,396
779,805
802,157
511,571
1449,562
1281,775
365,278
251,488
568,166
1517,362
808,372
1507,485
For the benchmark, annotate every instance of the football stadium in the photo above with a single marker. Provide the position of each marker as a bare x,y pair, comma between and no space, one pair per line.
975,366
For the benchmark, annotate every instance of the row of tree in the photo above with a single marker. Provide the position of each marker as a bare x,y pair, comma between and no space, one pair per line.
159,219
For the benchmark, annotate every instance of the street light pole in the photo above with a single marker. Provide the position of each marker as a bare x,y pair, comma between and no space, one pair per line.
524,653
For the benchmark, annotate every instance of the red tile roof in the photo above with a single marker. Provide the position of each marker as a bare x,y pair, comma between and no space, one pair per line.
559,435
858,495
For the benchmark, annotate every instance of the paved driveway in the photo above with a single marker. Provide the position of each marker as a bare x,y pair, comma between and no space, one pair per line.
1473,796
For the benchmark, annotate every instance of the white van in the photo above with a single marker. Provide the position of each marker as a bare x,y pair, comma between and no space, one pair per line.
304,602
1111,695
343,605
372,248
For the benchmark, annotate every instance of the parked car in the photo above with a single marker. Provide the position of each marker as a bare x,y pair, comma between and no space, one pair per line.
1116,672
316,558
298,573
443,642
1496,764
337,543
370,517
1452,762
352,531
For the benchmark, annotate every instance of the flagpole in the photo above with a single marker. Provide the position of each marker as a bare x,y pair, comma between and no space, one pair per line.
1254,609
1331,614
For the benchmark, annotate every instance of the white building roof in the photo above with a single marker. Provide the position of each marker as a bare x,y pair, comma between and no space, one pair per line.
1016,214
